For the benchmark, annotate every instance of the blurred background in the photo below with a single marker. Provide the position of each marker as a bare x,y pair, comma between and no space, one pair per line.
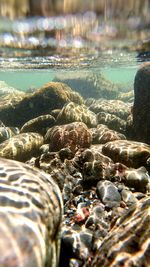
115,8
75,23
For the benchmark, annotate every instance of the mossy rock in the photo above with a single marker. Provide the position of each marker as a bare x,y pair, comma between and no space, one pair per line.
42,101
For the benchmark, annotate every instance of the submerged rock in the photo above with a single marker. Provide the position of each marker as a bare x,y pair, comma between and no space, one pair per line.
73,135
108,193
22,146
7,132
6,89
90,84
30,214
114,107
73,112
132,154
39,124
102,134
141,108
128,242
42,101
112,121
137,178
127,96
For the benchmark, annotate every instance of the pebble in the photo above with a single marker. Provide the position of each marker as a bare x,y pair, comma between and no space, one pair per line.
137,178
108,193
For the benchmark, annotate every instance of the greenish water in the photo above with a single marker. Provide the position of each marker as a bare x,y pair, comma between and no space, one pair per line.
24,79
120,75
31,79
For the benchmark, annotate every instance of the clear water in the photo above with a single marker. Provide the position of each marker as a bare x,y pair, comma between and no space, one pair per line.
23,79
30,79
31,72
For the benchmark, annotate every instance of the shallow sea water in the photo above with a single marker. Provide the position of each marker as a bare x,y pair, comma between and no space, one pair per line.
25,73
24,80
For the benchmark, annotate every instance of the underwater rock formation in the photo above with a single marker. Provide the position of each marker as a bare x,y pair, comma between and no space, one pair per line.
102,134
38,124
112,121
7,132
115,107
141,108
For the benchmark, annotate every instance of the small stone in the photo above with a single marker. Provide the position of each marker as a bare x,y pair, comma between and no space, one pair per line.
128,197
108,193
44,148
75,263
65,153
137,178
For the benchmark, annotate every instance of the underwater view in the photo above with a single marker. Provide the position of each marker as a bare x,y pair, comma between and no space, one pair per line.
74,133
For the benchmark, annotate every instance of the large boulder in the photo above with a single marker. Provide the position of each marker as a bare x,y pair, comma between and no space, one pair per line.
141,109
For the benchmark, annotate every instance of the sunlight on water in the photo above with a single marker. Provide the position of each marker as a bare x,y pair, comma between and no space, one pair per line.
101,38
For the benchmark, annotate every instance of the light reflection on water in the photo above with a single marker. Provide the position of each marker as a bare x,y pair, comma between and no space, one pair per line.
81,42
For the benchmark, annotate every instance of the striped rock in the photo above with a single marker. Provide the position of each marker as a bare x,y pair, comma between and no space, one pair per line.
132,154
30,216
38,124
7,132
128,242
21,147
